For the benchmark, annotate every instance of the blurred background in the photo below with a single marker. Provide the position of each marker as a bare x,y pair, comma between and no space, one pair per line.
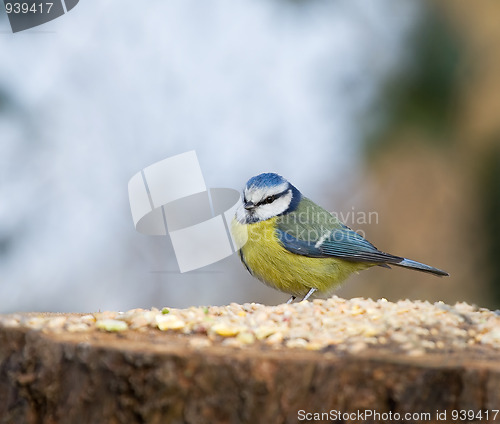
386,112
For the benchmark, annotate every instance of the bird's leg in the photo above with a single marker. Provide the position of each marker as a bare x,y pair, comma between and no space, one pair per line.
291,300
309,293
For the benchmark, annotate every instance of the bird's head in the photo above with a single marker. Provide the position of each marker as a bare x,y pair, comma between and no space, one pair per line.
266,196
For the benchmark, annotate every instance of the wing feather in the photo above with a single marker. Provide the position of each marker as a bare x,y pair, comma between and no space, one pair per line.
340,243
312,231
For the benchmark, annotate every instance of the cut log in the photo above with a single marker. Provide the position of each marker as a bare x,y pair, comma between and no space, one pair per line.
49,374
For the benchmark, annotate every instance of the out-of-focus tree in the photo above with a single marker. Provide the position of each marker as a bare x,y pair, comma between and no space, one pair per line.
433,159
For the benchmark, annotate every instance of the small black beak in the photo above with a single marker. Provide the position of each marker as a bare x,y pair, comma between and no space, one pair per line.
249,205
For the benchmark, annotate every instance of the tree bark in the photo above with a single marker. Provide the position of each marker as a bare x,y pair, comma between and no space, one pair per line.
156,377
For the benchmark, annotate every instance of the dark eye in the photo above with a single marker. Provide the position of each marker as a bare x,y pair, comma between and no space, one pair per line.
269,199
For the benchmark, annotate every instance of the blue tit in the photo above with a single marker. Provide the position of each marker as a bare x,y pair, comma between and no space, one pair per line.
295,246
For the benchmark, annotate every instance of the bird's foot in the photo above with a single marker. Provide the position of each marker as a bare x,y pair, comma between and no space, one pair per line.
309,294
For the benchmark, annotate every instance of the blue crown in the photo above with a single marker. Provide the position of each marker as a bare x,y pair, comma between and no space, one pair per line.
268,179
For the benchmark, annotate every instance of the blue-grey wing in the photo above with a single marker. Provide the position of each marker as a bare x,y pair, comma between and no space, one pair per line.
340,243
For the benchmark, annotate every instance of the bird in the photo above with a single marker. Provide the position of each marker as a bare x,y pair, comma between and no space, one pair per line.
295,246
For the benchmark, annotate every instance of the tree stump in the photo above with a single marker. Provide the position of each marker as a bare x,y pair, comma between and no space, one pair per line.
52,371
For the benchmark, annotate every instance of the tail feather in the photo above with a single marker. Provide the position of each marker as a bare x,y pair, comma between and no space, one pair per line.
408,263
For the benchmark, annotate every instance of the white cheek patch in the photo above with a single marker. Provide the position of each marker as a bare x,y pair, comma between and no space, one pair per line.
270,210
263,212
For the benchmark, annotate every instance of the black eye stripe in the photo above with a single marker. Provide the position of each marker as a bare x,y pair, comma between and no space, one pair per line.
271,199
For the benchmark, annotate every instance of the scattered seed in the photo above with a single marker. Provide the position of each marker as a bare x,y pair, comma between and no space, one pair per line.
111,325
407,327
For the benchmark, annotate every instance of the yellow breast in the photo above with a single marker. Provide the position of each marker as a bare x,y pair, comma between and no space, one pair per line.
291,273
